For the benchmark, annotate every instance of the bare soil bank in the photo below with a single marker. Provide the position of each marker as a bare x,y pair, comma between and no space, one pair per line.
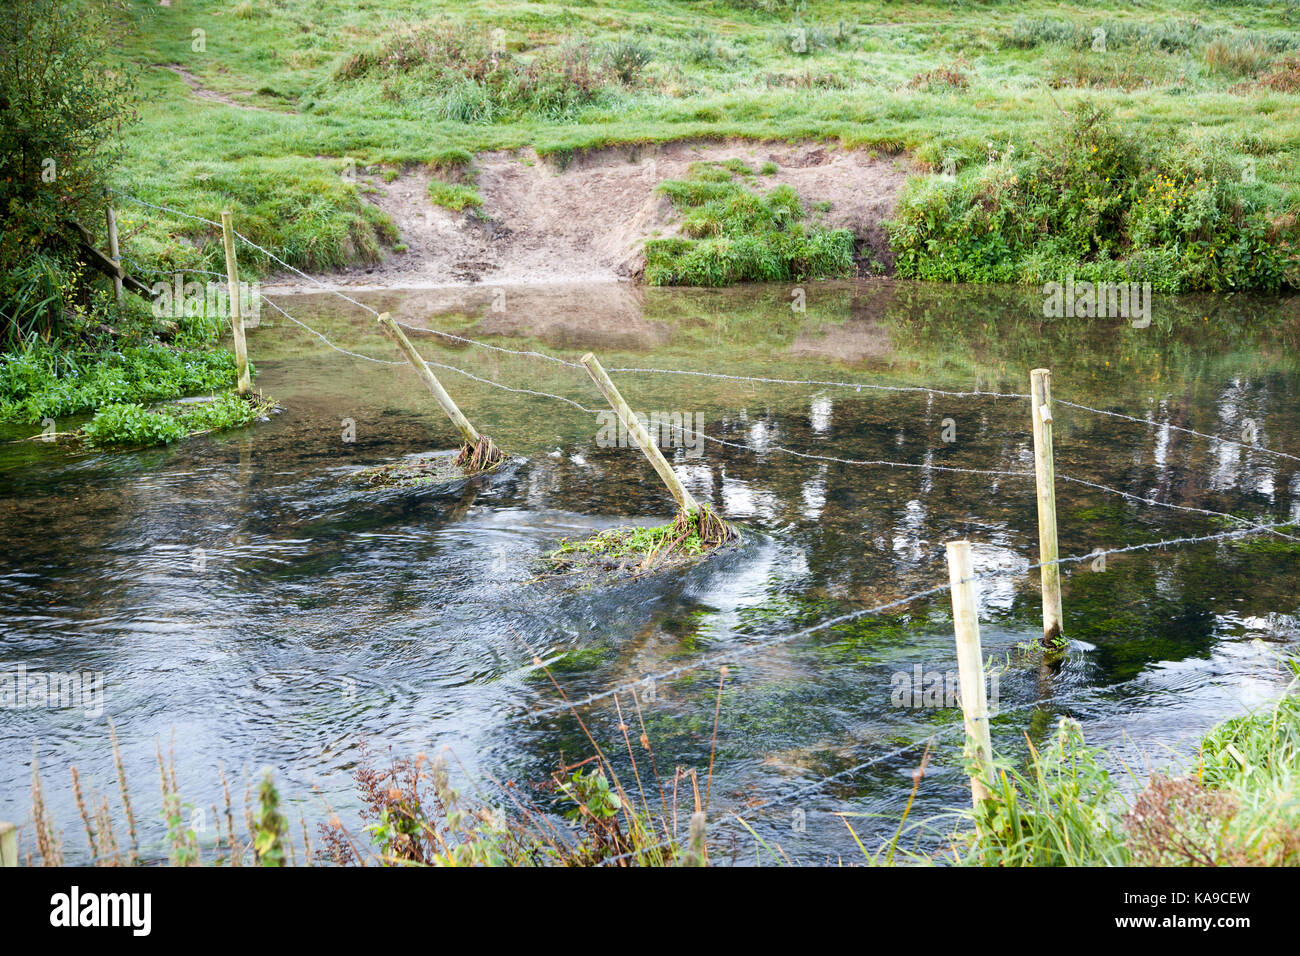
586,222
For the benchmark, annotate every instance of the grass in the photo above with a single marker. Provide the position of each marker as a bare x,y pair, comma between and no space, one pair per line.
735,234
692,535
453,196
1239,807
382,86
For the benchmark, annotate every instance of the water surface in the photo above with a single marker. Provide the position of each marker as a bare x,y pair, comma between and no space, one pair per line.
240,595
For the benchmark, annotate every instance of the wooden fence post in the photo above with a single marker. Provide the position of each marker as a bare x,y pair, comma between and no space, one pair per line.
8,845
113,254
697,853
1040,381
634,427
467,431
970,668
232,298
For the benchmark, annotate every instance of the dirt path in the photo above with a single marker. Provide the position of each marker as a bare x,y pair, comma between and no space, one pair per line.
212,96
540,224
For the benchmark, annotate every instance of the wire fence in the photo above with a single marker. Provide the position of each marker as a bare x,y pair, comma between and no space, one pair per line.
1245,526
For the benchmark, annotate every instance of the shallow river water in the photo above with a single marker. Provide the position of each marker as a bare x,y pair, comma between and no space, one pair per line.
240,595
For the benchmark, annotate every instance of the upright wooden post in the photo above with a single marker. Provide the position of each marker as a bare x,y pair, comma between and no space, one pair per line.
232,296
634,427
113,254
8,845
1040,382
697,853
970,668
467,431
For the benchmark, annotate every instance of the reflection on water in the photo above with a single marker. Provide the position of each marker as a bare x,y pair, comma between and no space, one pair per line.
239,593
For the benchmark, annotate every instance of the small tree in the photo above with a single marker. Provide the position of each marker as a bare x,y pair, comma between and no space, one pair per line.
64,99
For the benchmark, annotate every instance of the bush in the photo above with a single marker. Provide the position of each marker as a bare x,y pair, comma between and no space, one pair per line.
628,60
62,102
1092,202
735,235
133,424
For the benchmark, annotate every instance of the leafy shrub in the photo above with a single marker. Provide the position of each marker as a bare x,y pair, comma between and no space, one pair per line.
628,60
60,109
133,424
42,381
735,235
1094,203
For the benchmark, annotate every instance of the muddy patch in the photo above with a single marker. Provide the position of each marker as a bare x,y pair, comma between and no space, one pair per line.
585,221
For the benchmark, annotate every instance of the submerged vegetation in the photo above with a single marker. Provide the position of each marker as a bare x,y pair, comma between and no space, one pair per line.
440,468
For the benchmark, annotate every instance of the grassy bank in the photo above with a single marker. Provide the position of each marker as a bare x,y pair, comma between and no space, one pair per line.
1048,141
311,90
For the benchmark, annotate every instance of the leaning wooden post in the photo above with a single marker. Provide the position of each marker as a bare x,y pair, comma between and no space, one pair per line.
8,845
634,427
467,431
970,668
1040,382
232,297
113,254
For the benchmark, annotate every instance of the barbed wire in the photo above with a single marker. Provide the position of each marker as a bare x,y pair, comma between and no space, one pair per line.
530,353
729,656
166,209
326,340
1165,504
805,455
734,654
1179,428
859,386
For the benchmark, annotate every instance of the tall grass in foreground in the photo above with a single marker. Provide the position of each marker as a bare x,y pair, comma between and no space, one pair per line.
412,816
1241,806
